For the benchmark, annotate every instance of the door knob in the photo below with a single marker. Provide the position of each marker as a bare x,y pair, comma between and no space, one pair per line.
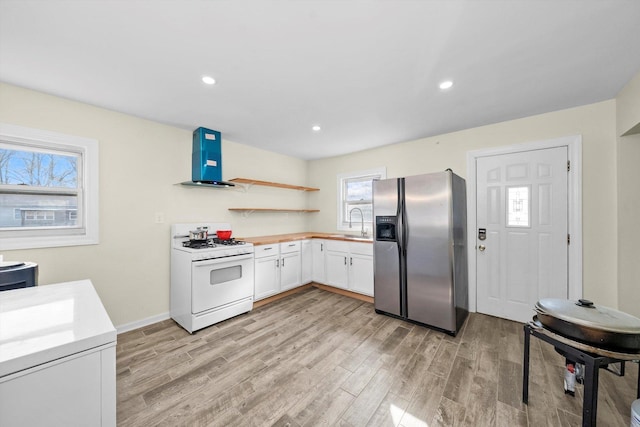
482,248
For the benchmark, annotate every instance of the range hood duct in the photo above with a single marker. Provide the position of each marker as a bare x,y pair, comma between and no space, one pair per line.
206,158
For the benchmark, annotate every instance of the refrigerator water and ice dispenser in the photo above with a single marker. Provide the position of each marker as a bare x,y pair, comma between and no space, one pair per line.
386,229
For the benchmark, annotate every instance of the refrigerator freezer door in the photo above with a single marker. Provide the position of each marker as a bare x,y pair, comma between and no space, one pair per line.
386,282
430,298
386,278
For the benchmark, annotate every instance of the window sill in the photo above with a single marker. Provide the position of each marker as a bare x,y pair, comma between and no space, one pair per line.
37,242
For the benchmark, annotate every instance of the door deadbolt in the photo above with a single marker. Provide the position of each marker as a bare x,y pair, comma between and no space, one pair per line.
482,234
482,248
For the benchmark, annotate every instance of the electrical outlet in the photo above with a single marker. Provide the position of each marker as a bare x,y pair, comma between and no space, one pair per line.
159,217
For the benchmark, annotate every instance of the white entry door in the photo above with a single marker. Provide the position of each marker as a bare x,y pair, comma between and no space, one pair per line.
522,209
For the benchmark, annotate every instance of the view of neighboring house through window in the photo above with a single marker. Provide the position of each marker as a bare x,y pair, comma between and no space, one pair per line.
355,192
39,187
48,189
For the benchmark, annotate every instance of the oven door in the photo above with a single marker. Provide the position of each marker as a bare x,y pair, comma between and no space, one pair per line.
221,281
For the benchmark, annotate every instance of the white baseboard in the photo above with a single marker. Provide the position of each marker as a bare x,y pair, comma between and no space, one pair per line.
143,322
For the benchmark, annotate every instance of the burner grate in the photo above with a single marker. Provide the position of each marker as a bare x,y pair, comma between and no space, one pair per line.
199,244
211,243
228,242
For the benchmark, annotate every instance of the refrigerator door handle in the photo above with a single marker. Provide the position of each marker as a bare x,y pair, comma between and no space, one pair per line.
400,225
402,247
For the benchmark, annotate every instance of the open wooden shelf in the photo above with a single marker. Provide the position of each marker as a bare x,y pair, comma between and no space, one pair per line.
250,182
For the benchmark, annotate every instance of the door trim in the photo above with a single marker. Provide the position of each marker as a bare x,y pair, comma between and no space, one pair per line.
574,182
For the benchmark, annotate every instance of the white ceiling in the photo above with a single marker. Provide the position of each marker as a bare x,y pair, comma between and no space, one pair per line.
366,71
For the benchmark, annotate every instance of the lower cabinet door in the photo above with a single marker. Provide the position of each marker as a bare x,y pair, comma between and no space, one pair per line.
267,277
290,267
337,269
361,274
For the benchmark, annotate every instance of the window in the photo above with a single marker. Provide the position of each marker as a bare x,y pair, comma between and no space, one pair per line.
48,189
355,198
518,199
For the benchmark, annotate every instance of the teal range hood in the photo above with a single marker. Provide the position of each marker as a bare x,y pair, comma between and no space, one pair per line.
206,158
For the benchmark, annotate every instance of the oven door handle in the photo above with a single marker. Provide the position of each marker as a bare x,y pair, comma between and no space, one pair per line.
223,260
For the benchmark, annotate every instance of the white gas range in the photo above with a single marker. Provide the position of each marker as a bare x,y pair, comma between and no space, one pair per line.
211,280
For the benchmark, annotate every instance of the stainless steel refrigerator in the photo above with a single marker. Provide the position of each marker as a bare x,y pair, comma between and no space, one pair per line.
420,251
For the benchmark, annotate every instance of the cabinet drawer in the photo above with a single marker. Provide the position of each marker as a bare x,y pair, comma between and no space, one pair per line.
337,246
287,247
265,250
361,248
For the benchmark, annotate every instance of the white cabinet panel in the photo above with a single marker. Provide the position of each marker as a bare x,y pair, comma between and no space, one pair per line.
306,272
290,266
61,393
349,266
361,274
337,269
267,276
318,248
266,250
277,268
288,247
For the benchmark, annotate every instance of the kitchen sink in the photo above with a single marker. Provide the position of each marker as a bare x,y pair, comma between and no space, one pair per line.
352,237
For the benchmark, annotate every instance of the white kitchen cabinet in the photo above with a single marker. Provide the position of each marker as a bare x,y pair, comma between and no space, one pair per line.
306,255
318,247
349,266
290,265
337,264
266,271
361,268
277,268
57,357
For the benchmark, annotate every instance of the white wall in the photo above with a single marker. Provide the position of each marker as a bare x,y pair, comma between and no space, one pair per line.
140,163
628,121
628,108
597,125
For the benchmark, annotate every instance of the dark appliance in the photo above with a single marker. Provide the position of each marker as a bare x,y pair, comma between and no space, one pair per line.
15,275
589,323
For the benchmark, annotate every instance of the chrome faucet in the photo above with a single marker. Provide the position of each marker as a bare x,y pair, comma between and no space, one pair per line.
363,233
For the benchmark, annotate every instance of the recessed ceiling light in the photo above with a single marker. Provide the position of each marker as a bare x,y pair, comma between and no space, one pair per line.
208,80
316,128
446,84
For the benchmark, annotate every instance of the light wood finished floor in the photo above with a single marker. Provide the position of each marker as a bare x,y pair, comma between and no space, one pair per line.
318,358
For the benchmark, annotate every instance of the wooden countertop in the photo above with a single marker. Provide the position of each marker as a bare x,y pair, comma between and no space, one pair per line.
279,238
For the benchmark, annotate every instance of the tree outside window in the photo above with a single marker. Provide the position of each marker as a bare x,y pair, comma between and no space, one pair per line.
48,189
356,192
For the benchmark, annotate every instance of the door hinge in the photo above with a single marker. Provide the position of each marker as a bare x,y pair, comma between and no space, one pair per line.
568,165
568,239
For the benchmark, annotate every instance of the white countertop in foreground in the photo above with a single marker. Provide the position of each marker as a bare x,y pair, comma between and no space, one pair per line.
44,323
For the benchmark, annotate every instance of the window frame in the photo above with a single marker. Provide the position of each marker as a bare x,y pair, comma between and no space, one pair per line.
343,222
87,148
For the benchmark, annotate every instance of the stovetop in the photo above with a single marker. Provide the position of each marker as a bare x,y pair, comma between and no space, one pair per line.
210,248
211,243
